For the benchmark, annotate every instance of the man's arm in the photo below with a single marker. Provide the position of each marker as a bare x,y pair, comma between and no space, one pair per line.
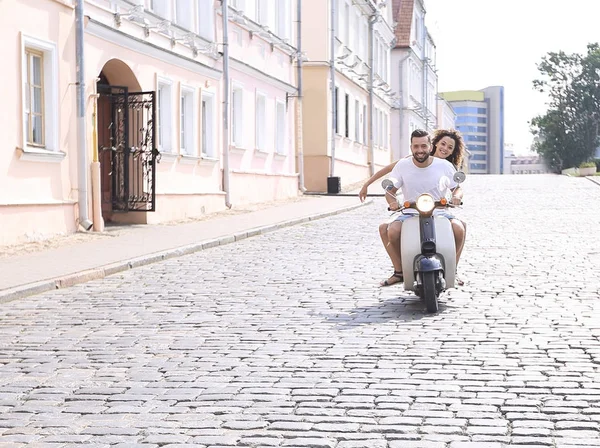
391,200
379,174
457,195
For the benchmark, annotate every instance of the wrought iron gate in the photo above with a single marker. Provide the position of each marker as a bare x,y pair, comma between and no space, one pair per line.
133,153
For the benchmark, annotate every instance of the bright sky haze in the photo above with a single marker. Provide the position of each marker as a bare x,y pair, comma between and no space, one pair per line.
481,43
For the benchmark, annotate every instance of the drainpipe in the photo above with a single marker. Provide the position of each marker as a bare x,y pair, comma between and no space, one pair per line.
82,166
401,108
425,72
95,171
299,125
225,13
372,20
333,96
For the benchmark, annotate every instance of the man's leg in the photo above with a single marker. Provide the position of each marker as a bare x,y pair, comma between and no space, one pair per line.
391,241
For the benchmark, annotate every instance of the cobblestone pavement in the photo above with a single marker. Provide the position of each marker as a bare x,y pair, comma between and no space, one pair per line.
286,340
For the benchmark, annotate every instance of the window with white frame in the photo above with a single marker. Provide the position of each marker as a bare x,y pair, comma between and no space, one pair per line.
184,15
280,128
346,23
354,35
261,121
262,12
365,130
364,52
39,94
160,8
335,104
34,97
346,115
376,128
164,115
282,18
187,122
356,121
206,19
208,125
237,114
385,130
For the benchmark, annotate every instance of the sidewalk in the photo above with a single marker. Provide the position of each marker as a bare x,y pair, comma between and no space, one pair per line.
95,256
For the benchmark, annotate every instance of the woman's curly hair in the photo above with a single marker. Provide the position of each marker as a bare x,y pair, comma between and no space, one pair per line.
457,156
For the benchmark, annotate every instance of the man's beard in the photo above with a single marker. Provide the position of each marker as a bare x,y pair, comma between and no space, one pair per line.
422,158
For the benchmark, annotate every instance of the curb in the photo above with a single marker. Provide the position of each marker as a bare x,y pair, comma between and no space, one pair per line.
591,179
68,280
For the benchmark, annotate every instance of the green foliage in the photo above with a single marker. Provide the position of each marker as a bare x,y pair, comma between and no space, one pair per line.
567,134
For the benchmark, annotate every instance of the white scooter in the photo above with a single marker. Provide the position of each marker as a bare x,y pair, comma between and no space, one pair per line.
427,244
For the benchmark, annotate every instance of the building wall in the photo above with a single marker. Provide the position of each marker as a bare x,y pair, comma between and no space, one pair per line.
38,186
351,133
495,95
181,64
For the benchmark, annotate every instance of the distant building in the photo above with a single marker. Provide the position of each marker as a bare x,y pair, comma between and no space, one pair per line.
480,119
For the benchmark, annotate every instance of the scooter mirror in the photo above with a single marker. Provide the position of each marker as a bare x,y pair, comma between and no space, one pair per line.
459,177
387,184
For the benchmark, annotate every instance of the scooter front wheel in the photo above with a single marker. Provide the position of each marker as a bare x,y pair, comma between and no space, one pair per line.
430,294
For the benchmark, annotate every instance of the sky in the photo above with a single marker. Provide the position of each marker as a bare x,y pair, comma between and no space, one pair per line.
481,43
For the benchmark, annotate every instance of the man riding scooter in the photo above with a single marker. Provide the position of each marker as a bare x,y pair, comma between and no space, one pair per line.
417,175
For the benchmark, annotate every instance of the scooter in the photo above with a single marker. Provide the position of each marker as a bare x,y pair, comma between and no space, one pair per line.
427,244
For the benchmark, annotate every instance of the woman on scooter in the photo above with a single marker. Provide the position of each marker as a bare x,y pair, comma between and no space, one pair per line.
447,144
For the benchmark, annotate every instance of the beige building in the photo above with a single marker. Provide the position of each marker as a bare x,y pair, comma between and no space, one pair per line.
347,90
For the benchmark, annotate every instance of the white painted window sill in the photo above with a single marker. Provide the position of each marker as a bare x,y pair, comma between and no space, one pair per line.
237,149
280,156
208,160
168,156
189,160
261,153
31,154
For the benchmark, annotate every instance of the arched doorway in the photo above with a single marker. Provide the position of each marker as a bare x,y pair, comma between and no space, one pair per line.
126,144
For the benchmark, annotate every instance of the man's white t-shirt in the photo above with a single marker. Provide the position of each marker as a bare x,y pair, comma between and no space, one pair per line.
415,181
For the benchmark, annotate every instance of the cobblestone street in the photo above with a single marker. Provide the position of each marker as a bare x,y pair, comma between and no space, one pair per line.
286,339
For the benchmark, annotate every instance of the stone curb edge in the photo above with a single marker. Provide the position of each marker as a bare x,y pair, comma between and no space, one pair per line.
66,281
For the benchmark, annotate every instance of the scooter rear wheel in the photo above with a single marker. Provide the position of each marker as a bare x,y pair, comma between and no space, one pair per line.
430,294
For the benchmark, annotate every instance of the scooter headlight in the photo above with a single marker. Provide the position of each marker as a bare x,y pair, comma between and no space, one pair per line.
425,203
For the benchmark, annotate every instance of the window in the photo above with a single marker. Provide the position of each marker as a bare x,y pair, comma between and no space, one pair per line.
346,23
34,97
365,130
237,114
261,121
160,8
282,11
208,125
355,32
262,12
335,106
376,127
183,14
39,94
164,115
186,122
280,128
385,130
347,116
356,121
464,110
206,19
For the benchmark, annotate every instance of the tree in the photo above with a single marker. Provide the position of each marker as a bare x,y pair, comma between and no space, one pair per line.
567,134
